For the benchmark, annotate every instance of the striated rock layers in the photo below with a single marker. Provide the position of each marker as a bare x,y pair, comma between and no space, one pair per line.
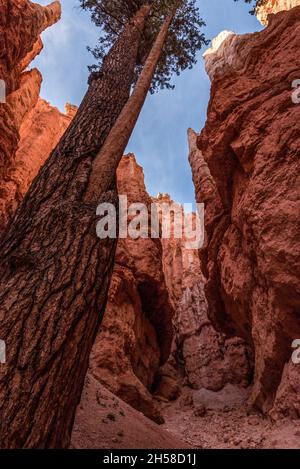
209,359
21,23
136,332
246,170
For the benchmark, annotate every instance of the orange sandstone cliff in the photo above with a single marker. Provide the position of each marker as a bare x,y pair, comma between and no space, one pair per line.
29,127
245,166
274,6
175,316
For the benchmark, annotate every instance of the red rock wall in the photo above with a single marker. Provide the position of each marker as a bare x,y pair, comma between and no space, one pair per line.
246,170
21,23
136,332
209,359
40,131
274,6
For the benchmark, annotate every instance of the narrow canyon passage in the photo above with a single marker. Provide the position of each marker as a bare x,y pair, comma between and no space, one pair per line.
199,346
215,390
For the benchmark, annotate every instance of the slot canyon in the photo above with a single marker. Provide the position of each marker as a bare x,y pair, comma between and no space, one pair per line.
195,346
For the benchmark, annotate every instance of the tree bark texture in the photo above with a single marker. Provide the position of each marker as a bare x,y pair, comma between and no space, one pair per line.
55,272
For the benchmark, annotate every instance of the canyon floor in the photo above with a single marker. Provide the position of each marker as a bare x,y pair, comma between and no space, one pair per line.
198,419
226,422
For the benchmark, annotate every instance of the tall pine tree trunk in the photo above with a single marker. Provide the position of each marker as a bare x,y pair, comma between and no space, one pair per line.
108,158
55,272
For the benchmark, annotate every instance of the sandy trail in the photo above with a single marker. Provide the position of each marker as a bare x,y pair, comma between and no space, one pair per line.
224,422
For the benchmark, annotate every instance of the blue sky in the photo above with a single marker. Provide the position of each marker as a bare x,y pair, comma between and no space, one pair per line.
159,140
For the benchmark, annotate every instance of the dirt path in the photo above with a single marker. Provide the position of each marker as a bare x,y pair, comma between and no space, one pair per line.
220,420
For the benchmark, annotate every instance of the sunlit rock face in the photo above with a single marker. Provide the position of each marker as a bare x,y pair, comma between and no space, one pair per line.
136,333
40,131
21,23
274,6
221,53
246,171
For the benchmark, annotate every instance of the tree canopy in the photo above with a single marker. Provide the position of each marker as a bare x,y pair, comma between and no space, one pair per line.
184,39
255,4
